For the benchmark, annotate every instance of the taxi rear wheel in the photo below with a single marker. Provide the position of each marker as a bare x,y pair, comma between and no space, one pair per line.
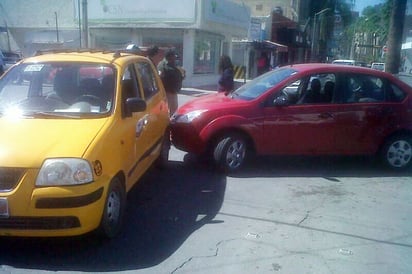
114,209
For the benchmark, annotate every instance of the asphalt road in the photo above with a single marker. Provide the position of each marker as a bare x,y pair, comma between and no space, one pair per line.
279,215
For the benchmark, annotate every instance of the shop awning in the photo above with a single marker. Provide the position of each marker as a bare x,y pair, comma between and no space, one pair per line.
279,47
264,44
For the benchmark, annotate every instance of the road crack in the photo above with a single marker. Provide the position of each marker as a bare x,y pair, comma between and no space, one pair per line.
198,257
304,218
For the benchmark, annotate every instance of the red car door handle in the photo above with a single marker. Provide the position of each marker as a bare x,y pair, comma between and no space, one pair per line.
385,111
325,115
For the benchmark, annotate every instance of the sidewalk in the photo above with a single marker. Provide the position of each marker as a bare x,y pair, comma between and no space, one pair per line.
198,91
407,78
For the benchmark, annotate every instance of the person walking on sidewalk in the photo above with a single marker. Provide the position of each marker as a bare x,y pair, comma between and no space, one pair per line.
226,81
262,64
171,78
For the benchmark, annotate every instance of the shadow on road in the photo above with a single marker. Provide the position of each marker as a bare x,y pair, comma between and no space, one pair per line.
163,210
304,166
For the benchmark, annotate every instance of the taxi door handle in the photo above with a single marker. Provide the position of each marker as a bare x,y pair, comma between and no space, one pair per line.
141,125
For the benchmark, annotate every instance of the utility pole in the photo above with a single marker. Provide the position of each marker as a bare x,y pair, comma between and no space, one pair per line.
80,23
396,25
85,31
57,27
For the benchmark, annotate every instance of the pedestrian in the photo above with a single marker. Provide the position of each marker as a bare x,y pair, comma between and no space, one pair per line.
262,64
171,78
226,81
153,54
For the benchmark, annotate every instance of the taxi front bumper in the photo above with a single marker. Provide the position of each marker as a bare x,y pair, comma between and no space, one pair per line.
52,211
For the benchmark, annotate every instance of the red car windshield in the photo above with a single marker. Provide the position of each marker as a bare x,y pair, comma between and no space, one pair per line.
261,84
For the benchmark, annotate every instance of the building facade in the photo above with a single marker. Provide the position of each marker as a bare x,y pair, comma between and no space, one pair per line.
199,30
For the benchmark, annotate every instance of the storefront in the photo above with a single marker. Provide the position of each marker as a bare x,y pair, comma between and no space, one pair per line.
200,30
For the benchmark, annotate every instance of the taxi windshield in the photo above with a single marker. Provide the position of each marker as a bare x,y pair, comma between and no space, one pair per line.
58,89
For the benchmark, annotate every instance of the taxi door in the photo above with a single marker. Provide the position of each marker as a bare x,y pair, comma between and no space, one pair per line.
136,137
157,117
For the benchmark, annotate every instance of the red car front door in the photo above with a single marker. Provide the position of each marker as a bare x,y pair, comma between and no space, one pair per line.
300,129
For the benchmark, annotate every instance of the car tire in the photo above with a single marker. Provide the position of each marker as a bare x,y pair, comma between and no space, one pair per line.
114,208
230,152
396,153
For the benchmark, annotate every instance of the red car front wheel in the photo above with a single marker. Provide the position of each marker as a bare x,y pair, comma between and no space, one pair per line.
230,152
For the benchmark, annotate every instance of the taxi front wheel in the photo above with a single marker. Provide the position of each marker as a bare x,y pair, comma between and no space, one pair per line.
114,209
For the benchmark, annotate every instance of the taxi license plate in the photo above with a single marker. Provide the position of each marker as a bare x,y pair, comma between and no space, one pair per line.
4,208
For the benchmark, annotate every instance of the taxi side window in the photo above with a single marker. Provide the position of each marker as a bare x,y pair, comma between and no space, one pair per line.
147,78
130,87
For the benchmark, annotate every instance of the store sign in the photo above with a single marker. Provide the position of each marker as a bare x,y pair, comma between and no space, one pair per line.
228,13
135,11
255,30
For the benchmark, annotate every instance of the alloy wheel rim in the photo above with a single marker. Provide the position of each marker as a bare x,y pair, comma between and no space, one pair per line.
235,154
399,154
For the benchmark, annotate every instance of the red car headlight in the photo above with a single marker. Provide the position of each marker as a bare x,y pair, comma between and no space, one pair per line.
187,117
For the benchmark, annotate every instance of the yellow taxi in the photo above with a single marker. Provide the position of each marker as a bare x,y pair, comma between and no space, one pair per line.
79,128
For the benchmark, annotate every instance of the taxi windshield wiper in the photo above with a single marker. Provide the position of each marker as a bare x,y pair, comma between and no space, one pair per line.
52,114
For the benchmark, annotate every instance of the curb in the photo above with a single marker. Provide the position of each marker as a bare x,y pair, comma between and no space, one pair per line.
196,91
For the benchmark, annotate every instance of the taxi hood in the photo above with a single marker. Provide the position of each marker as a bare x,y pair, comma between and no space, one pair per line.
27,142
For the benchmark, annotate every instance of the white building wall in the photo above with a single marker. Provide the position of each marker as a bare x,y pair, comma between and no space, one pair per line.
113,23
33,14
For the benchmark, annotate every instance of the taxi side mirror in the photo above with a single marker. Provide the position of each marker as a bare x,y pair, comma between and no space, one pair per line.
134,104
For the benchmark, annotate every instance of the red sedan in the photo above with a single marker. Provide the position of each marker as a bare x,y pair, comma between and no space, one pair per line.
306,109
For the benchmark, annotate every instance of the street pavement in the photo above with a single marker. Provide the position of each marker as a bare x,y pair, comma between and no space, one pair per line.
407,78
305,216
278,215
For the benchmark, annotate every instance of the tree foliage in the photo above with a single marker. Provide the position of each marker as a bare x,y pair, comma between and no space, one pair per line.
375,19
366,34
362,37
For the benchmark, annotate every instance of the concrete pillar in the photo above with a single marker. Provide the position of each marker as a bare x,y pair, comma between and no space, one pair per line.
188,50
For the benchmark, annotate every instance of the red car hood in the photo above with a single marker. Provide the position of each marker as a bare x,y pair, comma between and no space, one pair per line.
211,102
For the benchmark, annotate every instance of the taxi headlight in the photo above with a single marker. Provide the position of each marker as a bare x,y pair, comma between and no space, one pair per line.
188,117
64,171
